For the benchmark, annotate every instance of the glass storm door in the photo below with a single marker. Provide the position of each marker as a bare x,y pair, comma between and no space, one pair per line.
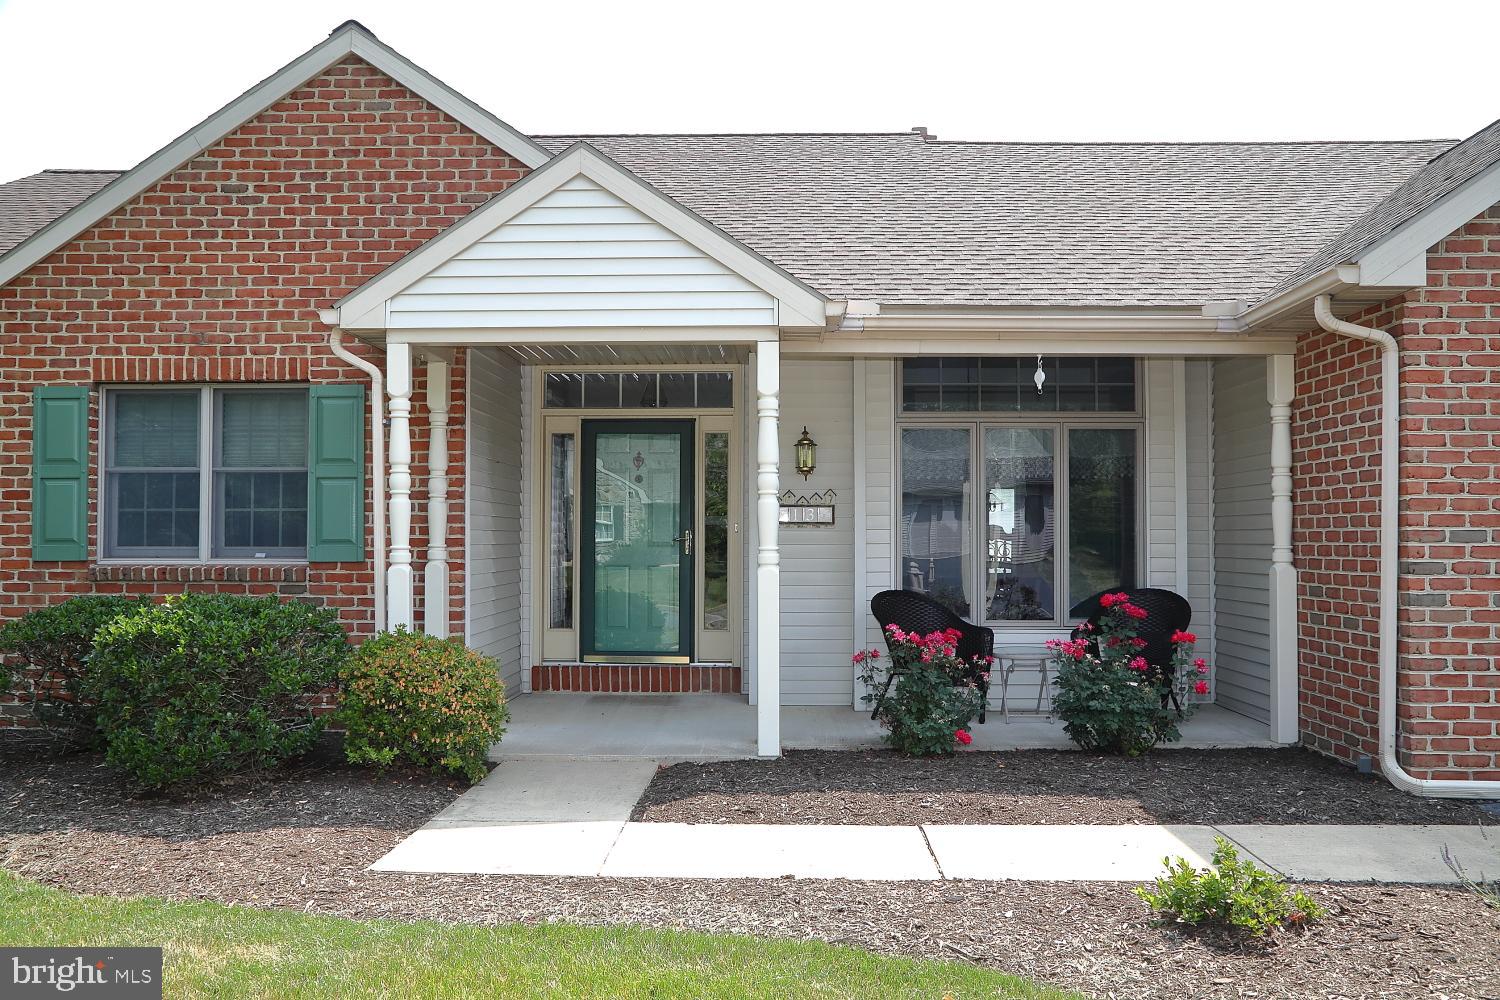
636,581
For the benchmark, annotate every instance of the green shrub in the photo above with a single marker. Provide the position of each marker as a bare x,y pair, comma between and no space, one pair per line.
934,696
1232,894
49,648
206,685
421,700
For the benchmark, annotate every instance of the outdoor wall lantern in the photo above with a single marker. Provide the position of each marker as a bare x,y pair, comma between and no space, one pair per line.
807,454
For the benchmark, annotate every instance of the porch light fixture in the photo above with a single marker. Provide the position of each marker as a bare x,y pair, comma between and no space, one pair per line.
807,454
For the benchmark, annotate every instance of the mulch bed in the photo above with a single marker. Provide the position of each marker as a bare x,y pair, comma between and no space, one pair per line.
303,841
879,787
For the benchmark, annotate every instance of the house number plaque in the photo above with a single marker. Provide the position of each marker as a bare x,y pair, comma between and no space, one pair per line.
813,510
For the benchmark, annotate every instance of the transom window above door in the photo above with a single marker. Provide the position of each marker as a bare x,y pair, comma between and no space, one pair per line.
199,473
638,390
1009,385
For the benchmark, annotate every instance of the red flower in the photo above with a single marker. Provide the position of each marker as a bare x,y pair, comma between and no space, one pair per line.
962,737
1110,600
1139,643
1180,636
1201,687
1201,664
1136,612
1139,663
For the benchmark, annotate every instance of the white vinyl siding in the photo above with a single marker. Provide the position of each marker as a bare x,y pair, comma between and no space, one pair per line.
1242,536
1200,506
580,257
1159,399
879,415
817,563
494,494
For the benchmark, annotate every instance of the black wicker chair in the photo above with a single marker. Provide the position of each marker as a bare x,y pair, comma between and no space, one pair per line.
914,612
1166,613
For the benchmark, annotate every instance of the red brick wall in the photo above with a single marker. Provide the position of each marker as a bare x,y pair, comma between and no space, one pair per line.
1449,706
217,274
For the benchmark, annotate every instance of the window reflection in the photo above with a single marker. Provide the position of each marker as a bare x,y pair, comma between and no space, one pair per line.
1021,524
935,515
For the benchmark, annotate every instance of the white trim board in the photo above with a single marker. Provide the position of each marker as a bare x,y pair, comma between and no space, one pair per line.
350,38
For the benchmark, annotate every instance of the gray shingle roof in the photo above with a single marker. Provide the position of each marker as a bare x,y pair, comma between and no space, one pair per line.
903,220
1439,178
29,203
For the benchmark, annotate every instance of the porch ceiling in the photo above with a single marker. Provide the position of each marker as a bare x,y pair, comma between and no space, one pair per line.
629,354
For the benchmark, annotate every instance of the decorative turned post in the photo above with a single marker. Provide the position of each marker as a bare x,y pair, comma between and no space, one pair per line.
1280,387
398,577
435,572
768,554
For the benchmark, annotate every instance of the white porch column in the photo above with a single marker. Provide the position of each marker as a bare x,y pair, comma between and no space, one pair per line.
1280,385
768,555
398,576
435,572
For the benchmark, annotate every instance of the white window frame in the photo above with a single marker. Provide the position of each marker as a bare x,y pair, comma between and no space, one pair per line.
1060,423
208,456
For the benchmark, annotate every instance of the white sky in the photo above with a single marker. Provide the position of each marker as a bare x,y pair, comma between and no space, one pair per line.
103,84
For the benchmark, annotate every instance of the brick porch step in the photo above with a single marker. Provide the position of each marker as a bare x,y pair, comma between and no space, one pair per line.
637,678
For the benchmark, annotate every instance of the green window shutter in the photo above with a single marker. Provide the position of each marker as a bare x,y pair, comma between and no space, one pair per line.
60,472
336,473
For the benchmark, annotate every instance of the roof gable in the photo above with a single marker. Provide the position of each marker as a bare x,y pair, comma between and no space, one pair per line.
1452,188
582,243
350,38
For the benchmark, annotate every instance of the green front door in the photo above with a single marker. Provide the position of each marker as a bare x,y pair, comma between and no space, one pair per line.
636,578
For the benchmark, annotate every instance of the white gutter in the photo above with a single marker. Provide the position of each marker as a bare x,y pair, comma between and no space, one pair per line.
1390,496
377,464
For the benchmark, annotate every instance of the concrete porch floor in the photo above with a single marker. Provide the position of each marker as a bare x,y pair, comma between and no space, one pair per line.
717,727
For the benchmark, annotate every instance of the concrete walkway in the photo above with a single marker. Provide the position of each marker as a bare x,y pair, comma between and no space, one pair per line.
570,817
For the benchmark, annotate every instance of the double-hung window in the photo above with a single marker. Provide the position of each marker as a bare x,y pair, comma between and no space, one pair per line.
1018,502
205,473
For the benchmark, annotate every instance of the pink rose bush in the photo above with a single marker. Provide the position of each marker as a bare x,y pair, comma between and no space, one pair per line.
1113,700
934,696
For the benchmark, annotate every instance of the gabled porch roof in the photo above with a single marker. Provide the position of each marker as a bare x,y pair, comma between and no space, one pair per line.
585,246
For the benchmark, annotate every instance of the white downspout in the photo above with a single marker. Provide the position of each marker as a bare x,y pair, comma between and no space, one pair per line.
1390,521
377,463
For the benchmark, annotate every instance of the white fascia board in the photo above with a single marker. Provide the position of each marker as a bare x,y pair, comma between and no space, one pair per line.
1328,282
1396,259
584,336
1119,344
797,305
890,322
351,39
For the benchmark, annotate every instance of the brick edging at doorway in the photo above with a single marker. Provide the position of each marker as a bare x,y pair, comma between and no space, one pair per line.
636,678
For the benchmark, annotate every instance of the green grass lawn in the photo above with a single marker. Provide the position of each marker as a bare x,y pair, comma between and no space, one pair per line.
222,951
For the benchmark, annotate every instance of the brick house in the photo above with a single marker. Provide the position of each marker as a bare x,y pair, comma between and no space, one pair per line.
357,341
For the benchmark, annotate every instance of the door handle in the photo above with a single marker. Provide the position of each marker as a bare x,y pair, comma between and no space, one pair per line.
686,538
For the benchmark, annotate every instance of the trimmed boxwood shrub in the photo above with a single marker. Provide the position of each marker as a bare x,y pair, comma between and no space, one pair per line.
421,700
49,648
206,685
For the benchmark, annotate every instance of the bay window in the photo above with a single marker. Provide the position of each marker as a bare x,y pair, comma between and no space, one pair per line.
1016,504
200,473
